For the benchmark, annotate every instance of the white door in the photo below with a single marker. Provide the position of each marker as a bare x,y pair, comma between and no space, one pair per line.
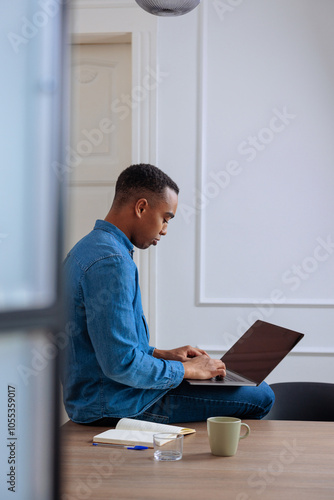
101,130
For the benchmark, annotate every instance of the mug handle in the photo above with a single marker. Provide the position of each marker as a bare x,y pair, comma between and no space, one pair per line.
247,431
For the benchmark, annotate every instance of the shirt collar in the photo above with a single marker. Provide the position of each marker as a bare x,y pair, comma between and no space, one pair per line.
117,233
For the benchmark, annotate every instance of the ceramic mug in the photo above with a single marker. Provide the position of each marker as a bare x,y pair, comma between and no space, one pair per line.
224,435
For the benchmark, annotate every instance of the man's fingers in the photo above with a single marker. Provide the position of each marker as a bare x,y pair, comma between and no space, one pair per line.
221,373
221,369
204,367
194,351
203,352
219,364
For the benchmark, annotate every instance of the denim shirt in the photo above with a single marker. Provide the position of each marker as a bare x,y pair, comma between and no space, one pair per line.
109,367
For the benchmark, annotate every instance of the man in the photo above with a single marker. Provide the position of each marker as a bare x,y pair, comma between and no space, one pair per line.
111,370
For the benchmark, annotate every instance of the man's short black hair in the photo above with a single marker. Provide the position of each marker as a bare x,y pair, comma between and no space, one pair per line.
141,180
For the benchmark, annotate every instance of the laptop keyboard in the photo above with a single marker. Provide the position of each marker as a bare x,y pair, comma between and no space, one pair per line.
231,377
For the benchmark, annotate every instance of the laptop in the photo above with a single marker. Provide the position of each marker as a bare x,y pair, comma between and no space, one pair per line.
255,355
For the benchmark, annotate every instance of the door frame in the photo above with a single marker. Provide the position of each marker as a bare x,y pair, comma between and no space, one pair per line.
92,19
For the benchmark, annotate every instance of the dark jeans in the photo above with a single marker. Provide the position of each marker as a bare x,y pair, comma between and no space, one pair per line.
189,403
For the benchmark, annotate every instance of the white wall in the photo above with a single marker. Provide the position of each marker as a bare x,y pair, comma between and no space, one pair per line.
244,126
224,74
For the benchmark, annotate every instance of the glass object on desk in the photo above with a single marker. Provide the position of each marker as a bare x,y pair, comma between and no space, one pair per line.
168,446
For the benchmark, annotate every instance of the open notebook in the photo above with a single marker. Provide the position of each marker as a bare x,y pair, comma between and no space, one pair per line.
129,431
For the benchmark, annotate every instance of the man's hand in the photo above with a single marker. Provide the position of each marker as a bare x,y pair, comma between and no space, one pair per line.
203,367
179,354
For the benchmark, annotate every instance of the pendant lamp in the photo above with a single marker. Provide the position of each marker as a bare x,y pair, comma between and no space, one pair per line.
168,7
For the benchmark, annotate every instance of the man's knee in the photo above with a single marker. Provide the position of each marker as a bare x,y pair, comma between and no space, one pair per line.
267,397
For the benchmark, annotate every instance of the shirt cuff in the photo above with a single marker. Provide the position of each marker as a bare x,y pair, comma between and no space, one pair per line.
177,373
150,350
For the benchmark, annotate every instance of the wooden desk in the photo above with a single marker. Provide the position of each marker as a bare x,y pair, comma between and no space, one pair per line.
279,460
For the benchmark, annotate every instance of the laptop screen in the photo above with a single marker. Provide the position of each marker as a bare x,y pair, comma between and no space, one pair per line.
260,350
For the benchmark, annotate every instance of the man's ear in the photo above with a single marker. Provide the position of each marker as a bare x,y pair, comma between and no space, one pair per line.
140,207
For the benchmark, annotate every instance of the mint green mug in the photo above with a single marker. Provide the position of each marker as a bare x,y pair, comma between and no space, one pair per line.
224,435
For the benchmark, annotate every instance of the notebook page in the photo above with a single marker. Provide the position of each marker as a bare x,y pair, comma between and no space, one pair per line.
132,424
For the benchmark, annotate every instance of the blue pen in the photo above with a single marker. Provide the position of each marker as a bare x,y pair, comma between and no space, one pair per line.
122,446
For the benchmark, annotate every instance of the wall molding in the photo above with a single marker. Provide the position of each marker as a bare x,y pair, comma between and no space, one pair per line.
86,183
251,302
201,145
90,4
144,150
218,351
201,298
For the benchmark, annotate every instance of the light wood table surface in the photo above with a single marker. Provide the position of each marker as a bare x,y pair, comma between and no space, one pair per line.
279,460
